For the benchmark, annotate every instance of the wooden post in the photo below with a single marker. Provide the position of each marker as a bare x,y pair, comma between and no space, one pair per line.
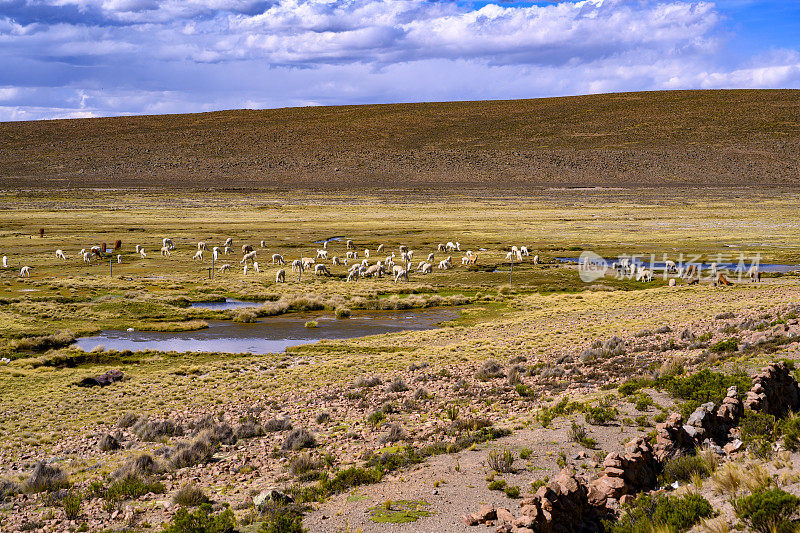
511,276
300,275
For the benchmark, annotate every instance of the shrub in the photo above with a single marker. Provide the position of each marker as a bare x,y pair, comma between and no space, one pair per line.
152,431
497,484
311,324
298,439
790,427
132,486
303,464
278,424
683,467
701,387
323,418
525,453
8,488
649,512
249,429
643,402
203,520
729,345
397,385
342,313
524,390
577,433
634,385
364,382
758,431
769,511
395,434
501,461
72,504
489,370
127,420
201,450
452,411
375,418
514,377
600,415
57,340
281,522
46,478
108,443
190,496
421,394
512,491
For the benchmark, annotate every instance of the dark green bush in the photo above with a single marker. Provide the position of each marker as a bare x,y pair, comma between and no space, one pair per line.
650,511
701,387
729,345
790,427
770,511
634,385
190,496
682,468
282,522
759,431
600,415
132,486
203,520
72,504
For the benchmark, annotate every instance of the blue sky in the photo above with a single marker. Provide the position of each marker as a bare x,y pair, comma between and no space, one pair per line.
82,58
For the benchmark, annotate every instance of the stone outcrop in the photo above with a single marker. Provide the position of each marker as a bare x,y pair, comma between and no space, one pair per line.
775,391
561,506
632,472
672,439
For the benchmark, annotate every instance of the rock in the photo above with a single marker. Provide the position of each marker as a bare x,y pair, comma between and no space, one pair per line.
504,515
271,495
485,513
112,376
469,520
733,446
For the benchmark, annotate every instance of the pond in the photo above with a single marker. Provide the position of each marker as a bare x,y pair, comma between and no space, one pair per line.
659,265
269,334
227,303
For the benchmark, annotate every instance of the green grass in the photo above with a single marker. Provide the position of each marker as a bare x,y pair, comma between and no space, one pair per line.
399,512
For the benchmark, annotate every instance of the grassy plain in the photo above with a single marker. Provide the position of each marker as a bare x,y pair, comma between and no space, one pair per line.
546,313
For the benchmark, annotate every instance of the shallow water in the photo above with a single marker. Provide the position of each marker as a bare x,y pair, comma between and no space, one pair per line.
269,334
228,303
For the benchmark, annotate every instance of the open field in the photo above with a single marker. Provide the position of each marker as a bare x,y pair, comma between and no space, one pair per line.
747,138
424,430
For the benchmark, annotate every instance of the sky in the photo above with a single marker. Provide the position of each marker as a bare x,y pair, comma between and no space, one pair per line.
86,58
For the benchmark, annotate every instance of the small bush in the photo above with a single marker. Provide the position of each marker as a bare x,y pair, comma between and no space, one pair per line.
512,491
200,451
108,443
311,324
190,496
525,453
790,427
127,420
298,439
397,385
323,418
501,461
421,394
202,520
701,387
132,486
46,478
524,390
649,512
278,424
72,504
497,484
600,415
769,511
249,429
729,345
282,522
364,382
375,418
395,434
578,433
489,370
759,430
152,431
342,313
303,464
683,467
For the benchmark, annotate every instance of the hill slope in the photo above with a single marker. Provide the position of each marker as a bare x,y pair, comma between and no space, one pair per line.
709,138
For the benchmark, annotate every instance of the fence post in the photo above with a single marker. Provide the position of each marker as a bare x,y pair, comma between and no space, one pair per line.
511,276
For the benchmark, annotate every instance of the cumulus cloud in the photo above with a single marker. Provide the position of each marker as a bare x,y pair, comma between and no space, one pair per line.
107,57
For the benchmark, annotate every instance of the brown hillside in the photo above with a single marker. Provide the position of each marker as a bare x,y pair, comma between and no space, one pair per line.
708,138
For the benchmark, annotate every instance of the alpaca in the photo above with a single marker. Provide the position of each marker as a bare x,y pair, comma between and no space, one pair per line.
375,271
166,242
401,274
473,259
245,269
353,275
201,246
250,256
524,250
25,271
722,280
324,245
350,245
335,261
198,255
672,282
465,260
535,259
165,251
5,261
380,248
307,262
403,249
320,270
278,259
228,242
119,259
83,250
427,269
246,249
215,253
227,250
87,257
224,268
142,253
280,276
366,252
263,244
255,267
441,248
60,255
322,254
297,266
430,257
754,274
450,246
